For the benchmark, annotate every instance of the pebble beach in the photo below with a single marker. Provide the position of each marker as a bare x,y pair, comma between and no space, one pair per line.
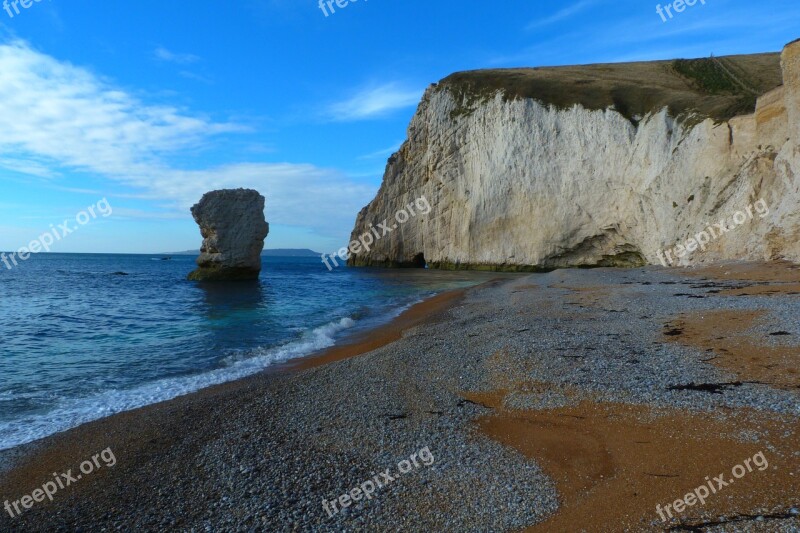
576,400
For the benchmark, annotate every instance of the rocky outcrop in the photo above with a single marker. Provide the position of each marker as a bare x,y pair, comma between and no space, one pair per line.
529,169
233,227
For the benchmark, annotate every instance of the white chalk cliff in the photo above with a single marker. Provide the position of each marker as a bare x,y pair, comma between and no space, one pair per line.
597,165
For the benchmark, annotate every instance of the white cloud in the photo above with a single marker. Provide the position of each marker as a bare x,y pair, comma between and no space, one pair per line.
68,115
126,212
374,102
163,54
380,154
59,118
27,166
563,14
194,76
297,194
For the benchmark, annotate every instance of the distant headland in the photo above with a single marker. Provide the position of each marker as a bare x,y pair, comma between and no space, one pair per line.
275,252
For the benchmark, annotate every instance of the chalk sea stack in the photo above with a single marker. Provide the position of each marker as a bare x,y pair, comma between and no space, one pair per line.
234,228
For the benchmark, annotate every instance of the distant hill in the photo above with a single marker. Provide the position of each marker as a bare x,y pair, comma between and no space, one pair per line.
276,252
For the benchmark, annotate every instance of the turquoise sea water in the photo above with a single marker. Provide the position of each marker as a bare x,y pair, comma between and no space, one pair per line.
86,336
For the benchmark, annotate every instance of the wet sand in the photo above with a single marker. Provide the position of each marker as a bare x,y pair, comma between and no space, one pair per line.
614,463
774,272
723,335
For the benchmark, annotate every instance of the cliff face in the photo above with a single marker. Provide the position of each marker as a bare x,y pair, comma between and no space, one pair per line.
598,165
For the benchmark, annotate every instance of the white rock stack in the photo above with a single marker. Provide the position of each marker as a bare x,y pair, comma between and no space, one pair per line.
233,227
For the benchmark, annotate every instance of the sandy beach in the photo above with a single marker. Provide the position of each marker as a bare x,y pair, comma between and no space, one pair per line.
577,400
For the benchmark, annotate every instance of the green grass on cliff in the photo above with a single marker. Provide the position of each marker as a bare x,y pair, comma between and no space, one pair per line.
719,88
707,75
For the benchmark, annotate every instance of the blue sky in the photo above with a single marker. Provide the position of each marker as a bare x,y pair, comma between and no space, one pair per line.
149,104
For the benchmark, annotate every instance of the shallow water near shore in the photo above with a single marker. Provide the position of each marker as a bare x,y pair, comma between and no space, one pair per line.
87,336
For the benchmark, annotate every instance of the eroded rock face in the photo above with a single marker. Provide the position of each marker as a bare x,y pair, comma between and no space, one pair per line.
518,184
790,61
233,227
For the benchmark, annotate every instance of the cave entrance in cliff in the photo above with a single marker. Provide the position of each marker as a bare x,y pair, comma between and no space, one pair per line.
419,261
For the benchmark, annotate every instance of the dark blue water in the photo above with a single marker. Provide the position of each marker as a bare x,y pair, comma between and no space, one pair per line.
81,341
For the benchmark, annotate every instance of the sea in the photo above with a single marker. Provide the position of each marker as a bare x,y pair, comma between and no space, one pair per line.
85,336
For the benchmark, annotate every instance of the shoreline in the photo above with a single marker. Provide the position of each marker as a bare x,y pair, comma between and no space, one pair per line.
21,457
554,397
383,334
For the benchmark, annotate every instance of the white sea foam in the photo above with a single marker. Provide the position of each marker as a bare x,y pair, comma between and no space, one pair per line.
74,412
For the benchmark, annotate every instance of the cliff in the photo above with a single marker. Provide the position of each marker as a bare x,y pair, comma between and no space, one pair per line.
597,165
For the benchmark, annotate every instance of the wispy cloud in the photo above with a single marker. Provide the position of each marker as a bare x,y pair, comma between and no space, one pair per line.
162,54
70,120
374,102
386,152
69,115
194,76
641,35
128,213
563,14
27,166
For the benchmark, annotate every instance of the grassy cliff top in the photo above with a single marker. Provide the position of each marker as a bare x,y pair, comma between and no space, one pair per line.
719,87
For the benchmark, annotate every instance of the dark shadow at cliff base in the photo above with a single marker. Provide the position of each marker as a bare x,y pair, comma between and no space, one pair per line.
607,262
447,266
